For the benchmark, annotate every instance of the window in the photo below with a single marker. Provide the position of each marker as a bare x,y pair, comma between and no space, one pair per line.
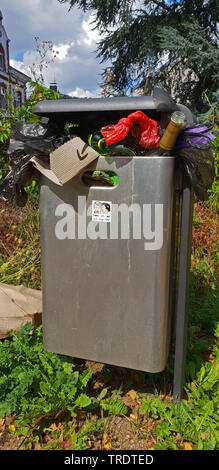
2,98
17,99
1,61
2,58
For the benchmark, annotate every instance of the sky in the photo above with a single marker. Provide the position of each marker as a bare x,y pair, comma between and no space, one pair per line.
76,68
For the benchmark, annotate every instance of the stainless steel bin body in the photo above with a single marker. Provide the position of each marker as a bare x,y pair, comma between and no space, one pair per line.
107,299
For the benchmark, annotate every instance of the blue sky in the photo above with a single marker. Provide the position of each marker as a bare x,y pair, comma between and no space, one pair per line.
76,68
20,56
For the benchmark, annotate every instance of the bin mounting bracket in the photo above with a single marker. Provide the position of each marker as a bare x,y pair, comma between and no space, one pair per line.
182,294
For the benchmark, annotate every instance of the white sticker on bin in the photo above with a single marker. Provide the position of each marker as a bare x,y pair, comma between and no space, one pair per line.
101,211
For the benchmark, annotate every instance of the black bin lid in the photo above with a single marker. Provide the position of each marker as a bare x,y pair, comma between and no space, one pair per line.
90,108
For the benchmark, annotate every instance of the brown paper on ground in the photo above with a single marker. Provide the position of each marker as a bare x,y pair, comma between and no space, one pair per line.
19,305
70,159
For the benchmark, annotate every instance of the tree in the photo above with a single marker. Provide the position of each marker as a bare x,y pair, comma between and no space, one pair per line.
171,41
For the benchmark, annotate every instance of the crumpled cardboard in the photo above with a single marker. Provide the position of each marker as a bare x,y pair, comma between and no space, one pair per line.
19,305
66,162
70,159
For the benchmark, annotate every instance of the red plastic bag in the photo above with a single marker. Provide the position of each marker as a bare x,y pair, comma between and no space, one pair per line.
143,129
117,132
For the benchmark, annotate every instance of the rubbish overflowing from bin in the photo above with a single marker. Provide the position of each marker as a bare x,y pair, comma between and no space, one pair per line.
37,146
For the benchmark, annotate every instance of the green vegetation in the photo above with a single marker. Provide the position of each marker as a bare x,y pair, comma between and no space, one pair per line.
53,402
49,395
171,42
59,403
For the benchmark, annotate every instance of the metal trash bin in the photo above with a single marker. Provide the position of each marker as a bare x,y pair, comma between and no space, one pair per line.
108,298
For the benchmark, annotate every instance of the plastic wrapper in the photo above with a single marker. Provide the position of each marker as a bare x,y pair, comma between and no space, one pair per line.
196,155
115,133
34,139
196,137
143,129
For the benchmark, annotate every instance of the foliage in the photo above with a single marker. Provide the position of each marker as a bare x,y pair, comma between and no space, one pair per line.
39,93
20,242
5,128
211,116
39,388
6,118
188,48
167,40
194,420
114,406
35,382
47,393
25,113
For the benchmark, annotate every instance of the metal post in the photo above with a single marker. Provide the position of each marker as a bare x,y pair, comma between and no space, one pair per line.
182,294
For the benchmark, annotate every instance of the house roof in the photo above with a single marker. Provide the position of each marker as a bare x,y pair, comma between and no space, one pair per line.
19,75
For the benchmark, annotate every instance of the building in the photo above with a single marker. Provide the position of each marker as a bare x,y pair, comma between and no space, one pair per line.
170,75
10,78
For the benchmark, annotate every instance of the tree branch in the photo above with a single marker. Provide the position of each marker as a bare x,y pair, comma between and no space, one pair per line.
162,5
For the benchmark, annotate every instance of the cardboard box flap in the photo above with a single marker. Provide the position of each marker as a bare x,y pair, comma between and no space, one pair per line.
70,159
44,169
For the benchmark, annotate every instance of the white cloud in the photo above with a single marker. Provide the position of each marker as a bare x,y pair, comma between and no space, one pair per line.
75,68
62,50
92,35
80,93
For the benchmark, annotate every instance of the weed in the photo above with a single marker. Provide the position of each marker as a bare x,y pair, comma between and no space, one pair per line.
35,383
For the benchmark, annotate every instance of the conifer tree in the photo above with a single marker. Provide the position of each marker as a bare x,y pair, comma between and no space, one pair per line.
171,41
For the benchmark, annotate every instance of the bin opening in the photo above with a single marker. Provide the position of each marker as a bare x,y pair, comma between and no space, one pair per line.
100,178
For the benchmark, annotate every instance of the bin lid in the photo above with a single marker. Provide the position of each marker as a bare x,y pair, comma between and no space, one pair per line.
77,107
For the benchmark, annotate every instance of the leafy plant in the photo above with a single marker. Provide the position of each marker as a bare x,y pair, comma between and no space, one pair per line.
5,128
39,93
194,420
114,406
35,383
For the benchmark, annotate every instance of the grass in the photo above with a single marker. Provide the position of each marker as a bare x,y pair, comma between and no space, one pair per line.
20,261
53,402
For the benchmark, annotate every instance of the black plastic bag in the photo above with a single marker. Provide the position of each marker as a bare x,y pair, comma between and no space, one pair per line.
195,152
34,139
12,188
26,141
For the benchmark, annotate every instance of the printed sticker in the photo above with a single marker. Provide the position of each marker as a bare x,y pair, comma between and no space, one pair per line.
101,211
